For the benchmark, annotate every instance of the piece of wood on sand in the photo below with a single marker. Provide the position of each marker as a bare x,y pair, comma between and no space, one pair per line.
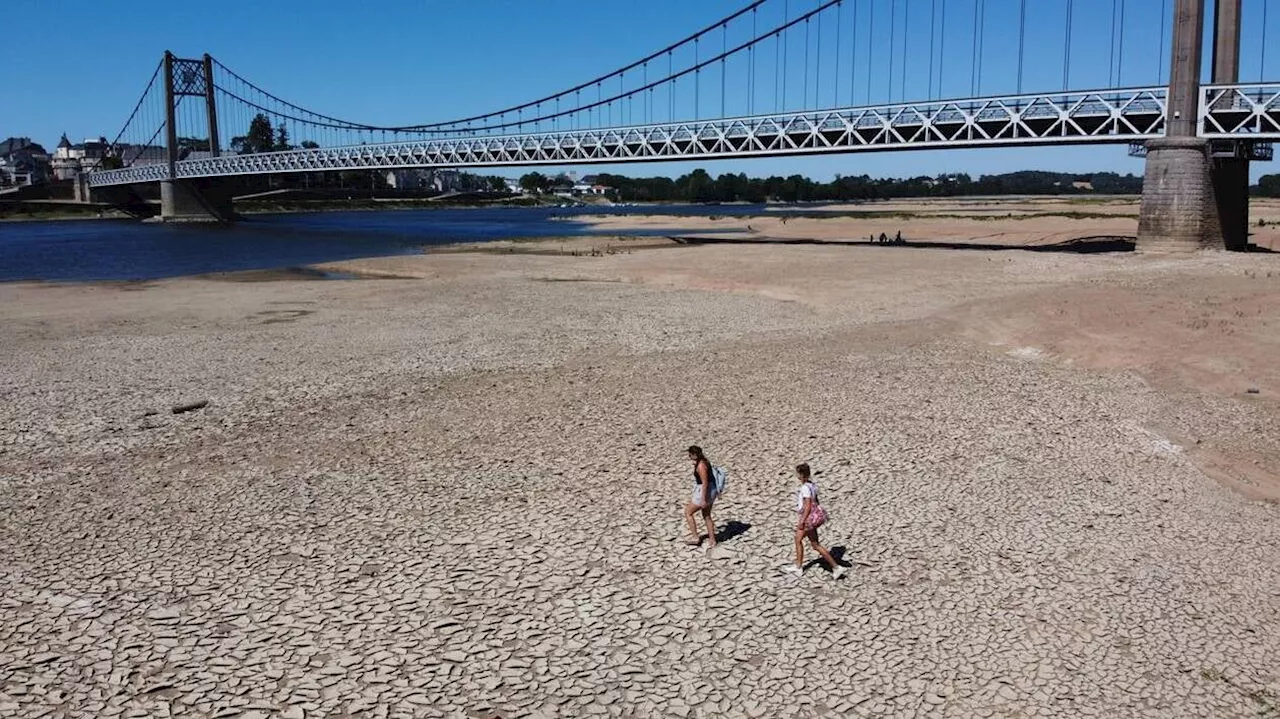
190,406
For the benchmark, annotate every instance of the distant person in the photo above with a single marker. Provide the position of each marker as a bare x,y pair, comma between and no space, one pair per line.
883,238
809,516
704,495
897,239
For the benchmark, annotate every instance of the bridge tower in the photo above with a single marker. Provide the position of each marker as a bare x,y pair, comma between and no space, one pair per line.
191,200
1179,211
1196,192
1230,158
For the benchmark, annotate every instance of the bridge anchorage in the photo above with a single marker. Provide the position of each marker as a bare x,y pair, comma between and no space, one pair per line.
836,78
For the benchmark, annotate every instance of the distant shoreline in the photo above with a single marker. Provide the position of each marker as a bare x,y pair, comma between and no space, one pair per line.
35,212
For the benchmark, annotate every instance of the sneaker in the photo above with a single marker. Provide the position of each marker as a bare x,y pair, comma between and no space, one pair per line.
838,572
793,570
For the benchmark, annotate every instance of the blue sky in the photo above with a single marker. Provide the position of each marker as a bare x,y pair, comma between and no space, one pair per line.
426,60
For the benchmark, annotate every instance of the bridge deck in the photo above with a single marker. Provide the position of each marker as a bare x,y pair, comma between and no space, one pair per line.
1105,116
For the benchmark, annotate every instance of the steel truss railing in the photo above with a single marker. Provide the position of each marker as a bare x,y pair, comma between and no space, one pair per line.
1107,116
1241,112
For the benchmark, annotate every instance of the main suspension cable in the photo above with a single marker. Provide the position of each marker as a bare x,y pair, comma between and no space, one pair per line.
1120,50
933,41
1111,62
1022,34
1066,47
836,82
893,44
1262,58
871,46
906,33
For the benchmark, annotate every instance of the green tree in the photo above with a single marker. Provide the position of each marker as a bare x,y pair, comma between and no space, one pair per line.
497,184
697,186
1269,186
534,182
282,138
261,138
310,145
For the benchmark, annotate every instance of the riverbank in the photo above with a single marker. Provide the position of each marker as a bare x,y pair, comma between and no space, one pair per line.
993,222
24,212
38,211
1054,478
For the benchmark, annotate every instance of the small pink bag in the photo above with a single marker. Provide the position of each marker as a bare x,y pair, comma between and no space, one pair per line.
817,517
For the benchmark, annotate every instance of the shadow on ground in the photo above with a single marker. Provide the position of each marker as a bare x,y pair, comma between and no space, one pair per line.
1079,245
731,530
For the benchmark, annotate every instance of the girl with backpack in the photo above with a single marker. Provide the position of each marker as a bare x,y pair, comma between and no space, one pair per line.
704,495
810,515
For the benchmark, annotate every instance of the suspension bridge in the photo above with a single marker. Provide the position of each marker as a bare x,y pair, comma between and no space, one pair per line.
795,77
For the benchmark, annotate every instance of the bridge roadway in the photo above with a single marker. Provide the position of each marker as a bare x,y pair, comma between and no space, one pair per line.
1105,116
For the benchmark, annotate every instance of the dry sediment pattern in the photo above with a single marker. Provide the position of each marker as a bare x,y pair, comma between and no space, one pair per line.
457,496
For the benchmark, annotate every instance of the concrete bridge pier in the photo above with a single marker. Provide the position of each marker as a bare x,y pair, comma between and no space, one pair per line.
195,200
1179,212
1192,200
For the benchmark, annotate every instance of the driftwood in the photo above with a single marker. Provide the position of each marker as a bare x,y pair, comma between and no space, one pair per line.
191,407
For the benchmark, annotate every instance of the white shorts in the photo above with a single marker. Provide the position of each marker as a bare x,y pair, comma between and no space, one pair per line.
696,497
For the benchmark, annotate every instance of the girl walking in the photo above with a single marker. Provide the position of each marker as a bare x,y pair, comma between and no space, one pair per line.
809,516
703,496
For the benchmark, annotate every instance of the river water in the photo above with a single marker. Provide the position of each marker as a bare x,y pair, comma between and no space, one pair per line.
131,250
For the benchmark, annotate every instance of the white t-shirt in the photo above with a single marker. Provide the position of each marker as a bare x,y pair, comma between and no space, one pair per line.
808,490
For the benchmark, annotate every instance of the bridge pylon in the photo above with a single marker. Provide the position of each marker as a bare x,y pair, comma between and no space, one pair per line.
186,200
1230,158
1179,211
1195,192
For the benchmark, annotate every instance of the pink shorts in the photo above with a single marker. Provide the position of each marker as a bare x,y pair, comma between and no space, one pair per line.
817,517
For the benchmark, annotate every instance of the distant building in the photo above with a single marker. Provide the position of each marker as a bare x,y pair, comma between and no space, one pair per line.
447,181
70,160
590,188
436,180
590,185
132,155
64,168
187,153
23,162
409,179
400,179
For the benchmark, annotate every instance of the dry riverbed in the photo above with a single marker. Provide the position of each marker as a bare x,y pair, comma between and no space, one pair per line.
1002,222
454,491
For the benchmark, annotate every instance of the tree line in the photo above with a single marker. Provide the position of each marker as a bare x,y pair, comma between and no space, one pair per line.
261,137
1268,186
700,186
